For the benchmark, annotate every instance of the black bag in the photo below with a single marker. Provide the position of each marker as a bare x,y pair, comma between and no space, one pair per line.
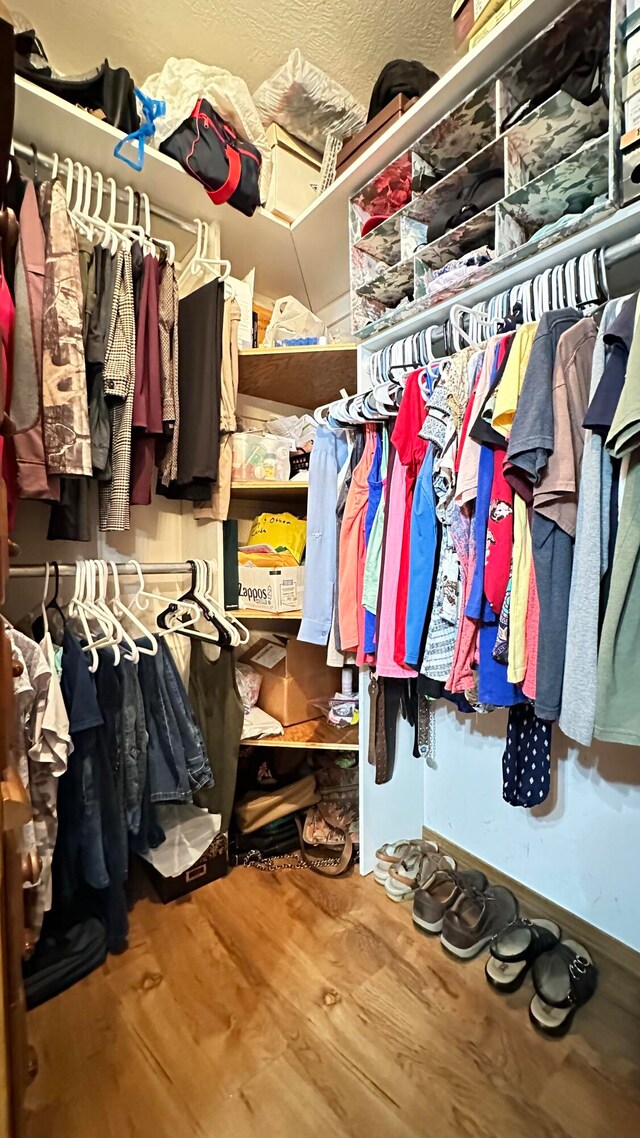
212,152
63,957
273,840
107,89
578,65
400,77
487,189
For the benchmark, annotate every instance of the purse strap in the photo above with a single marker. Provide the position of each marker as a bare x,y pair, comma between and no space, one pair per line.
326,866
228,188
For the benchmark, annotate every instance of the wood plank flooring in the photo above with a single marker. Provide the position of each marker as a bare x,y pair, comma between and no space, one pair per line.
290,1005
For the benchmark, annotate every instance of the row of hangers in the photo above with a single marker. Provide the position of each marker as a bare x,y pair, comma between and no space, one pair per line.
581,282
107,622
95,218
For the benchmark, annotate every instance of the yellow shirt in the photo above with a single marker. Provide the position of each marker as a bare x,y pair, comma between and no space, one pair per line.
510,385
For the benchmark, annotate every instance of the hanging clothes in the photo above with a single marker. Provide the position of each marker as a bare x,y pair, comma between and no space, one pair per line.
167,451
147,421
410,450
119,386
218,507
200,321
328,456
591,549
64,386
213,691
617,710
555,504
34,481
352,550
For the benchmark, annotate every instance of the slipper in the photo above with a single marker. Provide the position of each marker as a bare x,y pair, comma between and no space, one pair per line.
564,979
514,950
404,880
394,853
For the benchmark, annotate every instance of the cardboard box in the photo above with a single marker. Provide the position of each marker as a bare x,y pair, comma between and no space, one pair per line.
631,84
631,172
293,673
354,147
469,16
630,139
271,590
296,175
632,112
633,50
480,33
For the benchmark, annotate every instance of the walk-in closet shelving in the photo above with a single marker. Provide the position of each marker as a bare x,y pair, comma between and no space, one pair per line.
309,259
272,380
557,160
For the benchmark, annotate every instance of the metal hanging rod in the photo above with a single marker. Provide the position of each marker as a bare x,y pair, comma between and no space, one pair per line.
27,154
69,570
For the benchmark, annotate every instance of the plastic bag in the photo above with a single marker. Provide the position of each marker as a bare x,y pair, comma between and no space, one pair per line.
183,81
280,531
309,104
290,320
248,681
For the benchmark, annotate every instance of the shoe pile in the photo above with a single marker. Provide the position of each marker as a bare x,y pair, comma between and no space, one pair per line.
468,913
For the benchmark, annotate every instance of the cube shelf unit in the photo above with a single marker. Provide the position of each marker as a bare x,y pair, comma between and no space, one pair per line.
557,161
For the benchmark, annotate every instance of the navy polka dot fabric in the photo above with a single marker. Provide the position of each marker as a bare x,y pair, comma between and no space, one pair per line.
526,763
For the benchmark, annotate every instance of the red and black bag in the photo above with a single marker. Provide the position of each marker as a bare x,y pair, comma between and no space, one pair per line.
212,152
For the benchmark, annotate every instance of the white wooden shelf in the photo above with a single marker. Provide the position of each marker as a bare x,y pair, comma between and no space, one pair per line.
270,491
620,226
321,233
304,375
262,242
317,734
309,259
256,614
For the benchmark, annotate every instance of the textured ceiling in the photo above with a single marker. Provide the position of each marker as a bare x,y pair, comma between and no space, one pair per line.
350,39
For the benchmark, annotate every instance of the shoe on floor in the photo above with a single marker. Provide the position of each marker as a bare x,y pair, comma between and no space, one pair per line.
564,979
394,853
475,918
438,894
513,951
410,875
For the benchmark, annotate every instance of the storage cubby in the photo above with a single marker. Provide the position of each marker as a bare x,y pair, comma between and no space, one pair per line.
552,150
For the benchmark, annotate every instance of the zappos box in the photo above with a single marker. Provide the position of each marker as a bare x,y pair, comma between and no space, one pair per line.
271,590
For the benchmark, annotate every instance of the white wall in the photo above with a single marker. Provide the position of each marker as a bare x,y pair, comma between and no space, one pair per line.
581,848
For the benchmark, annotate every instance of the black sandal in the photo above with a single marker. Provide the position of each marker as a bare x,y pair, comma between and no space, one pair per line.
514,950
564,979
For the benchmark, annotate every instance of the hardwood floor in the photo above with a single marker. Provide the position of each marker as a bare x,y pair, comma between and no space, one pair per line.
291,1005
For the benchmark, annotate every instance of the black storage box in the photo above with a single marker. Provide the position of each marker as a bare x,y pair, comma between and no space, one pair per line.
212,864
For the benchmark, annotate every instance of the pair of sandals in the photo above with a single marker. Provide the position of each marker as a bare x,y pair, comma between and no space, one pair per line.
402,867
563,973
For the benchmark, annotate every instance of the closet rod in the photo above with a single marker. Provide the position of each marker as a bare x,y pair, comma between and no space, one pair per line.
70,569
26,152
620,252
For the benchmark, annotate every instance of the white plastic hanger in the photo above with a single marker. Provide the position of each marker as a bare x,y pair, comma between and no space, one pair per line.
105,619
200,262
120,610
76,609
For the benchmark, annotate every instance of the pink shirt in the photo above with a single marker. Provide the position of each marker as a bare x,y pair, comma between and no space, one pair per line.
385,663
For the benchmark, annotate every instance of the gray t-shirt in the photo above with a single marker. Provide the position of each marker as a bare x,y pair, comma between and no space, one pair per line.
590,562
531,440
